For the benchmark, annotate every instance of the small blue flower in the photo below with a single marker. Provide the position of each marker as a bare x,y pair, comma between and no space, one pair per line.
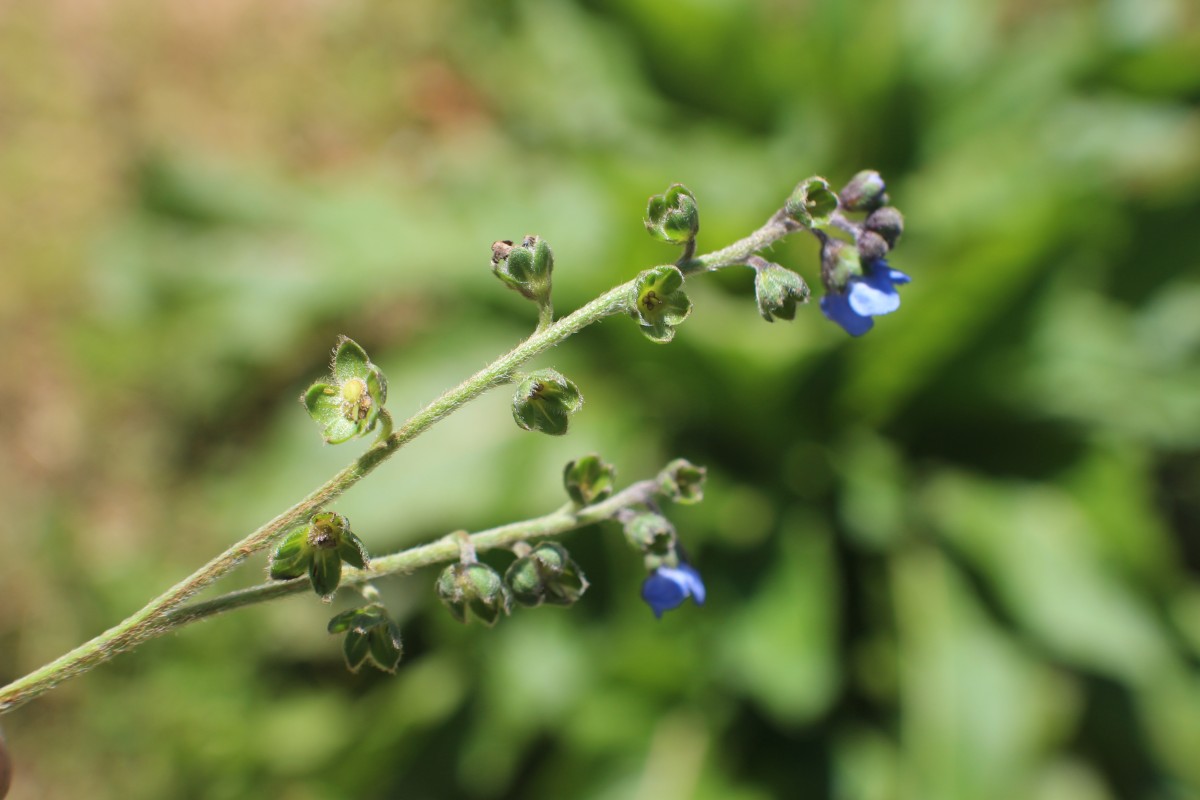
871,294
667,587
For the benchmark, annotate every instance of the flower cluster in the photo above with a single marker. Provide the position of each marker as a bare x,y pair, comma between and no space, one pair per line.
859,283
318,547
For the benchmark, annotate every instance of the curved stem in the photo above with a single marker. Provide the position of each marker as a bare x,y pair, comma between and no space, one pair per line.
150,619
440,551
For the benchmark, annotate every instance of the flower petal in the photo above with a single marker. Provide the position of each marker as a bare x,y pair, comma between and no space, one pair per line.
837,308
663,590
694,582
873,295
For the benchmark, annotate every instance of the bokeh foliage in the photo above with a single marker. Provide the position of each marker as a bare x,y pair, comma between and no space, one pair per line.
954,560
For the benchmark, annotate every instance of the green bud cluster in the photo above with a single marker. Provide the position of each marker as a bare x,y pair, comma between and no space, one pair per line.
673,216
547,574
351,403
371,635
318,548
589,480
544,401
650,532
475,587
778,290
526,268
880,230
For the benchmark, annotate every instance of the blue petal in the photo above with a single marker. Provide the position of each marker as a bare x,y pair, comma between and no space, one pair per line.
836,307
695,583
662,591
897,276
873,295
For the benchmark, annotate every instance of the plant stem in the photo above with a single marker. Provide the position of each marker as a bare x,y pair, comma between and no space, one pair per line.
440,551
150,620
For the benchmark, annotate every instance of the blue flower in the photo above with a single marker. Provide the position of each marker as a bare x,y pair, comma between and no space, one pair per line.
865,296
667,587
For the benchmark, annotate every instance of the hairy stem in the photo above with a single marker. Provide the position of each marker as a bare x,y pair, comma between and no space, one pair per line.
440,551
153,618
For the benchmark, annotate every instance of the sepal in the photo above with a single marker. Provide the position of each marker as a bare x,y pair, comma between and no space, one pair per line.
812,203
318,548
589,480
661,303
544,401
350,404
777,290
682,481
370,634
650,533
547,574
526,268
476,587
325,572
673,216
291,556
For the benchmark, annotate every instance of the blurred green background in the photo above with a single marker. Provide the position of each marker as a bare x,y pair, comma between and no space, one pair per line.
954,560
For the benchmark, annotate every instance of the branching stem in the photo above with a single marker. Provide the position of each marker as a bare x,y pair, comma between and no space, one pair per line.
161,613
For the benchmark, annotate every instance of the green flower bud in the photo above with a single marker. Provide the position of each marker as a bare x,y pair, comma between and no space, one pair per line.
777,290
544,401
351,403
864,192
477,587
546,574
839,263
661,303
589,480
525,268
673,215
370,633
650,533
291,556
812,203
888,222
682,481
318,547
